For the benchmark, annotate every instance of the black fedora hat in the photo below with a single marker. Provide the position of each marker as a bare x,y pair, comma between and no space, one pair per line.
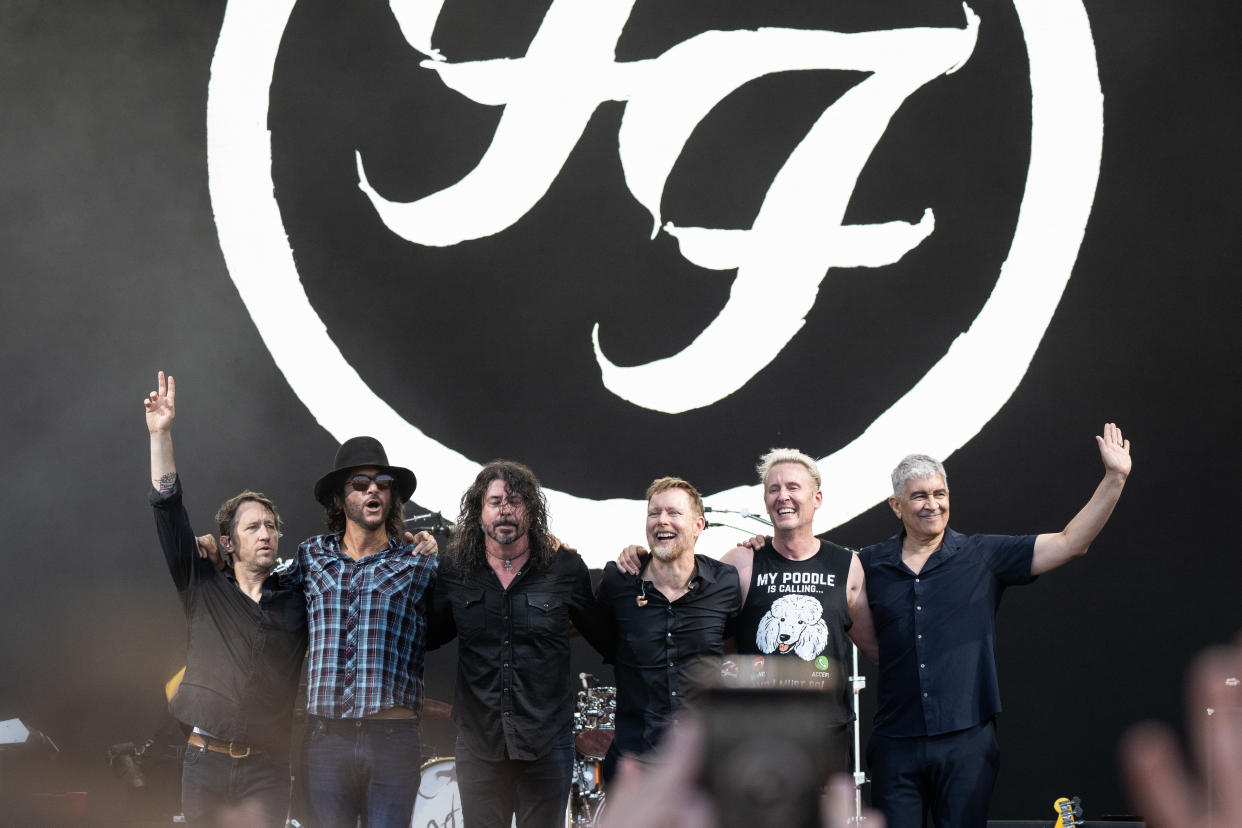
355,453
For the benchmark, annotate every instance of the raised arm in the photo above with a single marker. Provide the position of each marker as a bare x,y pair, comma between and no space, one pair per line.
161,410
1054,549
182,551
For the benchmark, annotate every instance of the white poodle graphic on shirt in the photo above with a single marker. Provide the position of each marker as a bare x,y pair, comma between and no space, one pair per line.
795,622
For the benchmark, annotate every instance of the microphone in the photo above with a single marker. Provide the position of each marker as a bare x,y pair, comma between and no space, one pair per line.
435,522
746,513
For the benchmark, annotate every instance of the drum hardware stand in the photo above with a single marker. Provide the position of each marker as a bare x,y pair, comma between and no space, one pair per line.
595,715
858,682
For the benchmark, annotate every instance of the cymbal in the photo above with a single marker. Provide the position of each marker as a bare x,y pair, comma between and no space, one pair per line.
435,710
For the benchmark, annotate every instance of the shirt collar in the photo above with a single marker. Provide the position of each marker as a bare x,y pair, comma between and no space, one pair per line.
701,573
332,544
706,574
890,550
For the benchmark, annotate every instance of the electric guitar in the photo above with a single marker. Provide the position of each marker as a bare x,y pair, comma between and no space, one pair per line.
1069,812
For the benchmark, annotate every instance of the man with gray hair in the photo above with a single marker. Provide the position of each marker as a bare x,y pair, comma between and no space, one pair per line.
934,594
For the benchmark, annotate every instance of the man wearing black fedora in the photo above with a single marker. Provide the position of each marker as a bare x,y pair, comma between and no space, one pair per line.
366,596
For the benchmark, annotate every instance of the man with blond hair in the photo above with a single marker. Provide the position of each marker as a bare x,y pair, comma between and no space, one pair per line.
669,619
802,596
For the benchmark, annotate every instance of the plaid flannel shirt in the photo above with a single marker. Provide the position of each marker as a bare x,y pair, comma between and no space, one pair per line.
368,627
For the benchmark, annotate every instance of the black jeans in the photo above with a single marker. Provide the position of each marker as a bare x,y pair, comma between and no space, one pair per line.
219,790
362,767
950,775
536,791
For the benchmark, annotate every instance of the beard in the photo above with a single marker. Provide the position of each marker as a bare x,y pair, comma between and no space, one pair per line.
354,514
670,552
505,538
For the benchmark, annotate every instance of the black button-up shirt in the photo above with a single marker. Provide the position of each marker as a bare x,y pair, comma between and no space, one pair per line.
664,652
937,630
243,658
514,695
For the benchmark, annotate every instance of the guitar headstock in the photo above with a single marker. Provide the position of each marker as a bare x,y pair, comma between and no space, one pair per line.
1069,812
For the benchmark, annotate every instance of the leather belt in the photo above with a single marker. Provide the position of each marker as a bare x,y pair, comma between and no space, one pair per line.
232,749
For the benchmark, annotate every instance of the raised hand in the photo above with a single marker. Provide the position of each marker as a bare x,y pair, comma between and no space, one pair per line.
160,405
1114,450
1165,790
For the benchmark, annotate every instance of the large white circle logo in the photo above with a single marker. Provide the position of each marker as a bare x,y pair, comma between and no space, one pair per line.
945,408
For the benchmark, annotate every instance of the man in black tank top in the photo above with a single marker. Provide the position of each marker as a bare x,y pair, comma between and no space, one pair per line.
801,595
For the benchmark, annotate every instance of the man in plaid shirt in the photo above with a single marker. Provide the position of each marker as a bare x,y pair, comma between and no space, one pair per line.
366,596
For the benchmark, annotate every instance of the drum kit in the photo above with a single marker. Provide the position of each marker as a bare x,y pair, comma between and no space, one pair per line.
438,804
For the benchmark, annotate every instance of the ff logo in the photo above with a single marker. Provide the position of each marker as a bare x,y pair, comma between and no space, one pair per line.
775,265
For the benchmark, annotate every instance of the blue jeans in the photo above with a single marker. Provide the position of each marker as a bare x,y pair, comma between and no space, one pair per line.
536,791
218,790
362,767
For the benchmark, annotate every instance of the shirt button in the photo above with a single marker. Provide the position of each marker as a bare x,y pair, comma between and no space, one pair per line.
506,664
916,580
919,608
506,641
922,666
920,635
924,696
670,635
670,664
674,693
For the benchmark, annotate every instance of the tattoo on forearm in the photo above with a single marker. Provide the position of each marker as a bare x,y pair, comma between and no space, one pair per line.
165,483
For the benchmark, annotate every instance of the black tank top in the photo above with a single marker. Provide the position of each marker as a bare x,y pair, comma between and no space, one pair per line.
797,612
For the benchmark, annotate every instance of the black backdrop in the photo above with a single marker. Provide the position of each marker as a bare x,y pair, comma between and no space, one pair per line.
112,269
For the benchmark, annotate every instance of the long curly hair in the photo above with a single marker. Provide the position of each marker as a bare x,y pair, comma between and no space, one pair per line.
466,546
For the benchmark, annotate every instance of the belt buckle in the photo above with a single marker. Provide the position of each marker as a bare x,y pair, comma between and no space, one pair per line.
233,755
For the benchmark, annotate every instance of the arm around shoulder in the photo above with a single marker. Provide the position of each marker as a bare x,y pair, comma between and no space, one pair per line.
862,626
741,558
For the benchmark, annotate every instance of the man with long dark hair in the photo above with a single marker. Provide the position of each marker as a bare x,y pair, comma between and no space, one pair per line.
366,595
508,591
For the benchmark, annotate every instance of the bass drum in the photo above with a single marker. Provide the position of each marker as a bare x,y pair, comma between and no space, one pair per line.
438,804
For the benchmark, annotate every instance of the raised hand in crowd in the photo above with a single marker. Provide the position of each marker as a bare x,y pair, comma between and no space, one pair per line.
664,793
1163,789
